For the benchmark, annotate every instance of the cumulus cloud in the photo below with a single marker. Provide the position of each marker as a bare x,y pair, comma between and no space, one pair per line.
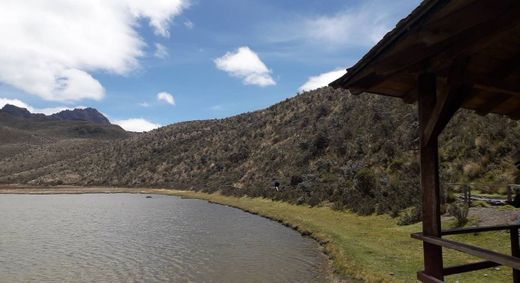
137,125
49,48
166,97
160,51
321,80
245,64
46,111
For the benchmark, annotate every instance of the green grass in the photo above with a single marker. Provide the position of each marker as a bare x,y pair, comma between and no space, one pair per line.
372,248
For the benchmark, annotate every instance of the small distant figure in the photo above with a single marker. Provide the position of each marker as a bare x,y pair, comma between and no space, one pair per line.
277,186
148,196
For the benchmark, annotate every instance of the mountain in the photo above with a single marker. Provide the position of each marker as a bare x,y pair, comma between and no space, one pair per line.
29,141
324,146
87,114
19,112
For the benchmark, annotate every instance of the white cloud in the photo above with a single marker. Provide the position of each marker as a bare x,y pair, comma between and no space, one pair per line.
166,97
144,104
246,65
189,24
362,24
46,111
159,12
321,80
49,48
160,51
137,125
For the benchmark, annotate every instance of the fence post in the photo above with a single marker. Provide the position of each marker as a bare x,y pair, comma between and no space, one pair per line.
515,251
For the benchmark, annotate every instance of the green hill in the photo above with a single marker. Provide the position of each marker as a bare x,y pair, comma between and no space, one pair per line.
355,152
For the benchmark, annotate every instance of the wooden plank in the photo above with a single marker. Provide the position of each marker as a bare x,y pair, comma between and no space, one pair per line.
469,267
506,260
479,229
497,85
489,107
433,266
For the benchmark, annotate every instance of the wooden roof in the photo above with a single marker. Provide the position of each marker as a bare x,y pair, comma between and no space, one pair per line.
475,41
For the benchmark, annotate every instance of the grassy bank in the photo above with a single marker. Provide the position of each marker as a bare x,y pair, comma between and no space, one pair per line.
372,248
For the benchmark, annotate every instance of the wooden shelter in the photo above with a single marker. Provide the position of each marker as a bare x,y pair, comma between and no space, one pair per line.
448,55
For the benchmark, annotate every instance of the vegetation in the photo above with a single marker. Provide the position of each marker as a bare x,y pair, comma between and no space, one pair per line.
326,146
460,212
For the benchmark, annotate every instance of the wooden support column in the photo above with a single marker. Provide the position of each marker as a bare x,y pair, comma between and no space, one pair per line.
515,251
427,91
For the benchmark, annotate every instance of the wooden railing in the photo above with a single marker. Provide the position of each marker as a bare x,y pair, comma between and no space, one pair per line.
491,258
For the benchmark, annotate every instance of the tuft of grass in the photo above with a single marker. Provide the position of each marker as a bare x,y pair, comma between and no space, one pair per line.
372,248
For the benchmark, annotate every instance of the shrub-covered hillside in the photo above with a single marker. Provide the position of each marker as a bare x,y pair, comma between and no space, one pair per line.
357,152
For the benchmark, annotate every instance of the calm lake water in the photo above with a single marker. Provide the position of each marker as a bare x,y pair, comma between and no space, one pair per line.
129,238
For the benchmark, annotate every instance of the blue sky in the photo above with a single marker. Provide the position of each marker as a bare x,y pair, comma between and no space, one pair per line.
203,59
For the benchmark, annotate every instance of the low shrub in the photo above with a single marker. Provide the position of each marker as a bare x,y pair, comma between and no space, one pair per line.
460,212
409,216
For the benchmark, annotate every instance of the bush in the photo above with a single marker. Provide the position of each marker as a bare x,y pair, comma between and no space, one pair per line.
472,169
409,216
460,212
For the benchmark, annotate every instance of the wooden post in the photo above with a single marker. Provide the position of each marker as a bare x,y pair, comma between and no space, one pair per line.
515,251
427,91
466,196
469,195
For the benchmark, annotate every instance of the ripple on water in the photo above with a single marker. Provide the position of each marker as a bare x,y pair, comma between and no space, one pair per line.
127,238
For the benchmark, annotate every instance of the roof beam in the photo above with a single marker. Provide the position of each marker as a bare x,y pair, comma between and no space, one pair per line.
500,86
488,108
448,101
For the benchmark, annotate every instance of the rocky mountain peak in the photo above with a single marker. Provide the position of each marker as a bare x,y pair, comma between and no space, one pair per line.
86,114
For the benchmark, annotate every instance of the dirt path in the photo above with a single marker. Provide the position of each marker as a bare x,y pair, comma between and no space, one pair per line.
497,215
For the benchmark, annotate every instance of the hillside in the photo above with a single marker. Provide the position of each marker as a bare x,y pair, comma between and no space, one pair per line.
29,141
357,152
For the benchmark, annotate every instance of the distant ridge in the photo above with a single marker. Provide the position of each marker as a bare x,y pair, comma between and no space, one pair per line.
17,111
88,115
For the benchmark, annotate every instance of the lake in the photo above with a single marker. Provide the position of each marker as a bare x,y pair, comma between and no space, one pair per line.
130,238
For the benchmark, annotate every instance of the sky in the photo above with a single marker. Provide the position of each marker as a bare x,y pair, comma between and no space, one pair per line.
146,64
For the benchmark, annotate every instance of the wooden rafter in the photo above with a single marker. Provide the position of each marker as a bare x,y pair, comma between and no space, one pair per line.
448,101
